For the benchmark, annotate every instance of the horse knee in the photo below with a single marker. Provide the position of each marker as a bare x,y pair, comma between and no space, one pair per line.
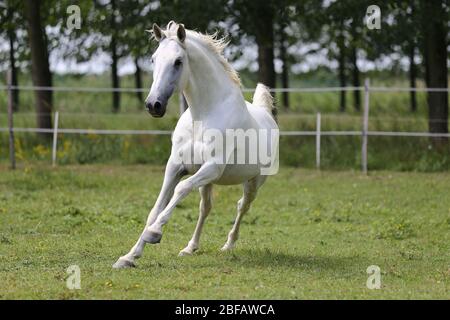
183,188
243,205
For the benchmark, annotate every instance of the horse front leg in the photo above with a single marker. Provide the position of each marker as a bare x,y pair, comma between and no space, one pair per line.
173,174
207,173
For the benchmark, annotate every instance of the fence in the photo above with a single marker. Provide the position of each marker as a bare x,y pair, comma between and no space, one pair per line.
318,133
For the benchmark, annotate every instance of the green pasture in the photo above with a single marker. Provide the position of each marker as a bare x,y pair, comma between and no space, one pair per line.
309,234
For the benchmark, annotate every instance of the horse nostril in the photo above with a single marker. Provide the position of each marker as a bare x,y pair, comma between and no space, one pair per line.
157,106
148,106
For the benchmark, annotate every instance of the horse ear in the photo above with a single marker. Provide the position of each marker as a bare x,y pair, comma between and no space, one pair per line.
157,32
181,33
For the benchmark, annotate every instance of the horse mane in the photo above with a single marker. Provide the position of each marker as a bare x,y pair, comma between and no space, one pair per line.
212,42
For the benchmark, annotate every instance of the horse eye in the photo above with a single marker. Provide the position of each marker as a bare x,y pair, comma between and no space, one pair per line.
177,63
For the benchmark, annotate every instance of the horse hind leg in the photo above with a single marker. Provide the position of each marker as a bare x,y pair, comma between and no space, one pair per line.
204,210
243,205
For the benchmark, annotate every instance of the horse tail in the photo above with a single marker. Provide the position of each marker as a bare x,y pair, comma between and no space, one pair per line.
263,98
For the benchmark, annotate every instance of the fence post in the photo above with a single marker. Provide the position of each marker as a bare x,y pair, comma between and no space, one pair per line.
365,128
12,151
318,124
55,138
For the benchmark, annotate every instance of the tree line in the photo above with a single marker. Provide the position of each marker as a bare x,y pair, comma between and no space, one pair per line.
414,29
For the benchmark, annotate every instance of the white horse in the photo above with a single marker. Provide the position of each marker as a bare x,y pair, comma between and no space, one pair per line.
194,63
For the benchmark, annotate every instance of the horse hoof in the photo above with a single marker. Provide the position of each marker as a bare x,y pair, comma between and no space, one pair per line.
184,253
123,263
151,237
227,247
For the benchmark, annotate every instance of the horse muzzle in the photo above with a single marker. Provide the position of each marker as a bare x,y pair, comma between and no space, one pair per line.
156,109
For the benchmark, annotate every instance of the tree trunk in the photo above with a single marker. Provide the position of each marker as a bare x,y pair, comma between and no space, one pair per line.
412,78
265,41
115,59
41,75
114,77
436,67
355,78
425,64
12,63
342,77
138,80
284,70
266,72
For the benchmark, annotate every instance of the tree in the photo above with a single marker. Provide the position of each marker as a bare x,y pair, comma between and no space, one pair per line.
9,22
435,31
289,29
257,19
344,38
359,35
355,75
41,74
106,22
341,71
114,56
401,17
411,55
285,67
106,19
337,40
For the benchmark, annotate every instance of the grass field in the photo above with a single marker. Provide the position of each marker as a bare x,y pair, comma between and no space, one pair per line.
309,234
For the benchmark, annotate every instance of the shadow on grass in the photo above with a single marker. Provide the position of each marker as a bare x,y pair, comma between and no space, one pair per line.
268,258
262,258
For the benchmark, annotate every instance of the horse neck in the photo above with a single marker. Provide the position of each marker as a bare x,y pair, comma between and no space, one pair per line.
208,85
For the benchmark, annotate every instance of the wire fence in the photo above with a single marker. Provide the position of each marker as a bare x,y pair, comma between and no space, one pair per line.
364,133
274,90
